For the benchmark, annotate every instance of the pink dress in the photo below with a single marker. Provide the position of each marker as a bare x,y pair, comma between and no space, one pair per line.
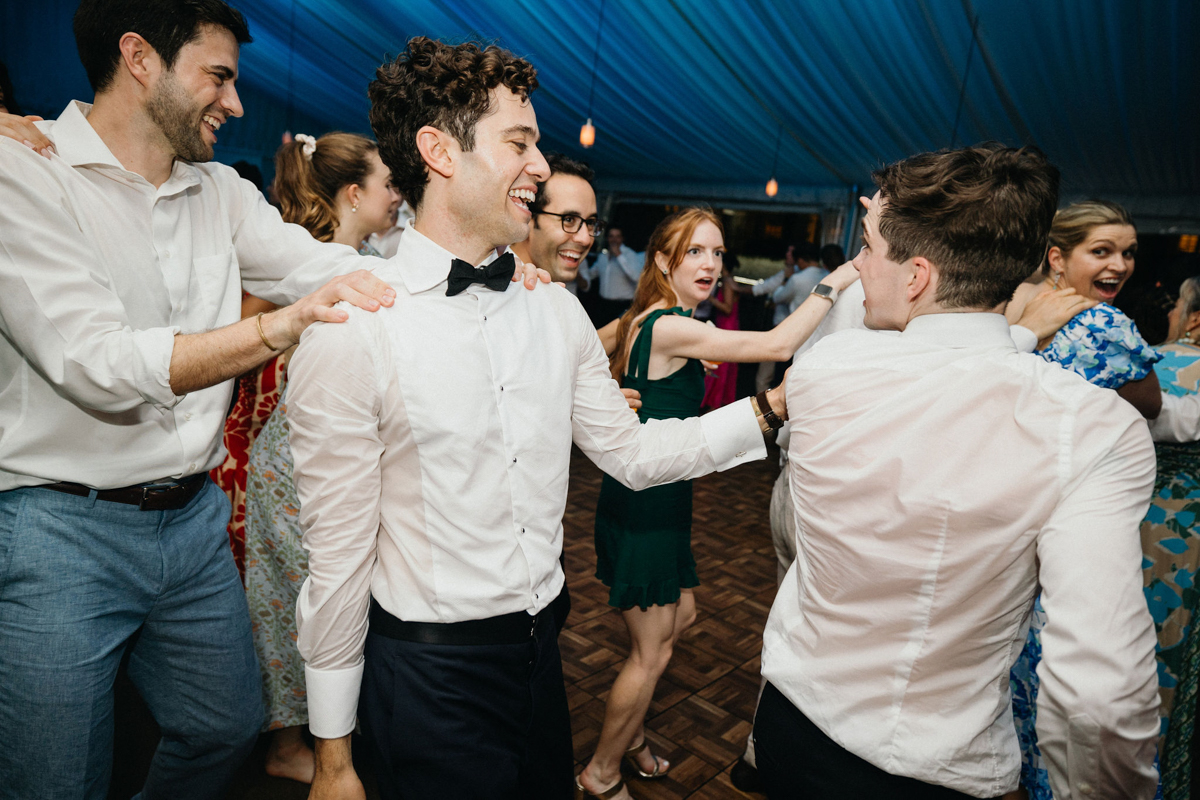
720,388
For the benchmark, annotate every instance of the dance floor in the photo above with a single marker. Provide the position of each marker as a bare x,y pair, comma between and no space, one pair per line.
704,704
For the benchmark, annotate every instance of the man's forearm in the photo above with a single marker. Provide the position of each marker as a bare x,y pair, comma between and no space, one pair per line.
200,360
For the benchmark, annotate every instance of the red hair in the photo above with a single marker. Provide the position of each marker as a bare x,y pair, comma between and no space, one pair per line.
672,238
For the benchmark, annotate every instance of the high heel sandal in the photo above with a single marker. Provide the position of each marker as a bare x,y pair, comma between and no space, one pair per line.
631,758
607,794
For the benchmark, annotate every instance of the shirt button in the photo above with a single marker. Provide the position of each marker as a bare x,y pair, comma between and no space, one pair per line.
740,454
514,461
192,467
188,416
166,253
1085,788
485,317
522,530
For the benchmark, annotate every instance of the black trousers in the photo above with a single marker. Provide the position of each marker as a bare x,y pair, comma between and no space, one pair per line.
468,721
797,761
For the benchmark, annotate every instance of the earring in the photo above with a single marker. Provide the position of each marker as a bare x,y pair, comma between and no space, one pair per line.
1057,275
354,208
664,272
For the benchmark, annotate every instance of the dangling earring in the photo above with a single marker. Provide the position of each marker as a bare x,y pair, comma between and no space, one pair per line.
354,208
1057,275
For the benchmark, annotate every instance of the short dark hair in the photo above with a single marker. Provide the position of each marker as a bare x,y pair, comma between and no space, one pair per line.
166,24
6,92
808,251
561,165
833,256
980,214
445,86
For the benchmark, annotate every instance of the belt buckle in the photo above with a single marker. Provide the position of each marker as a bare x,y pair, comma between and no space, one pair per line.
145,497
155,492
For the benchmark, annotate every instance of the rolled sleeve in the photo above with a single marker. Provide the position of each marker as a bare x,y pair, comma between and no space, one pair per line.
56,306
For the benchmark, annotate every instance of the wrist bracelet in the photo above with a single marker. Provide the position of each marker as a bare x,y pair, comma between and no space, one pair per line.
263,336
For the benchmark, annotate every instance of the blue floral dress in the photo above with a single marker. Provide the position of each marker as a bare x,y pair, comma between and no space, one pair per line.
1103,346
1171,559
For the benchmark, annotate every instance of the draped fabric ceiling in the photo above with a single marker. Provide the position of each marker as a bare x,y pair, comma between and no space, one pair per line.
691,96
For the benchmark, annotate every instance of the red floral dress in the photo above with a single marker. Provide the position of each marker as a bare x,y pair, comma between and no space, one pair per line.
257,395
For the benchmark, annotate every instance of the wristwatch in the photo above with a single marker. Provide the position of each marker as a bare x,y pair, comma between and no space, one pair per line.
825,291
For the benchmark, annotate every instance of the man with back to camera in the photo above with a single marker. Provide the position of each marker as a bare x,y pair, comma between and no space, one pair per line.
938,477
122,261
431,451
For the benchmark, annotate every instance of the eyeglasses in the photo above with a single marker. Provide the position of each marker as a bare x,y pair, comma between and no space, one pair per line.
571,223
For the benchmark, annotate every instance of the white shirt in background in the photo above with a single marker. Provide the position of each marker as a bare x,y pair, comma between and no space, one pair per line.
98,272
618,275
797,288
432,442
938,477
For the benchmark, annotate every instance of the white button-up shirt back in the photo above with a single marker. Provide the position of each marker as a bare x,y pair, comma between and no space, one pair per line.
930,473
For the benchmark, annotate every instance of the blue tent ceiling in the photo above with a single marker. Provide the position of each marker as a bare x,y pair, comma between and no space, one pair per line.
691,95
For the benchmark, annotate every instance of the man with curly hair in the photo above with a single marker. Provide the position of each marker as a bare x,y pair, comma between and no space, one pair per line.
432,448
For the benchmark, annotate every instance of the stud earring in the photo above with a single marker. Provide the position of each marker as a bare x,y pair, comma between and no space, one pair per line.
354,208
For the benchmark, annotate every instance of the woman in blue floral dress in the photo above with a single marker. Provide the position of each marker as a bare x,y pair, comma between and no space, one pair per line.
1171,548
1092,249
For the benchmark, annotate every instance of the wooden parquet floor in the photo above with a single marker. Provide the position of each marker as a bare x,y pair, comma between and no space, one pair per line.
704,704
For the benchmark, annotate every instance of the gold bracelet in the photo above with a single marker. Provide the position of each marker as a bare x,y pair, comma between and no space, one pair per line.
758,414
263,336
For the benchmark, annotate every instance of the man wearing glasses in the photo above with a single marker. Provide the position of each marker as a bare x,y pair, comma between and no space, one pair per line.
564,221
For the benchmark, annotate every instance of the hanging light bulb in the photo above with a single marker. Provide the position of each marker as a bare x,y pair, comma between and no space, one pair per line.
772,187
587,134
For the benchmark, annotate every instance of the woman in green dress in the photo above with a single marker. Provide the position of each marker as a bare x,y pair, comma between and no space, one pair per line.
1171,550
643,539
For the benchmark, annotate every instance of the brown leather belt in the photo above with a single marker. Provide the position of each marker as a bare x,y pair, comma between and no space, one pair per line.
158,496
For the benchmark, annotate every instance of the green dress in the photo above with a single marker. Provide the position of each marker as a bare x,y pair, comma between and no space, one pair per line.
644,539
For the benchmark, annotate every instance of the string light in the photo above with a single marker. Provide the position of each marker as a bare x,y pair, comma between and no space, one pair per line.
773,185
587,134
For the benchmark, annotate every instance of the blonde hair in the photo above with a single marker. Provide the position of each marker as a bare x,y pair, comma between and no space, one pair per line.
307,185
672,238
1189,292
1073,224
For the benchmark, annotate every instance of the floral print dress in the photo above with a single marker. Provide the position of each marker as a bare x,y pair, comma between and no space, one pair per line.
1171,559
1103,346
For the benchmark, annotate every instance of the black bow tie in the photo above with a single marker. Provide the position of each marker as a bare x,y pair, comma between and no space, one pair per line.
496,275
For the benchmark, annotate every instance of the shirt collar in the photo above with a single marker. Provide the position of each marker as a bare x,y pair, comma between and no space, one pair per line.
969,329
424,264
77,142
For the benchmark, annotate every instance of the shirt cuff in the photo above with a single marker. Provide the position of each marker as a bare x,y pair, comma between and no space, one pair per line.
152,366
1025,339
332,700
733,435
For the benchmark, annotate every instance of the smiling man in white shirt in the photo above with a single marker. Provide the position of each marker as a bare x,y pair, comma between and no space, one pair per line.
431,454
938,477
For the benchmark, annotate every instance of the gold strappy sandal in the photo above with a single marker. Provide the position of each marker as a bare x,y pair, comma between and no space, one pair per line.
631,759
607,794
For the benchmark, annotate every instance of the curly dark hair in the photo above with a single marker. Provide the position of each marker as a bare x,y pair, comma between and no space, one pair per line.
981,214
445,86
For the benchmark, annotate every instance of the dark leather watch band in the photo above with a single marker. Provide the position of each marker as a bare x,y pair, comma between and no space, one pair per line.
772,419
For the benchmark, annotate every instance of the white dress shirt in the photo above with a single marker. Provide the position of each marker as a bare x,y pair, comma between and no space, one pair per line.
618,274
98,272
432,442
1179,419
797,288
938,477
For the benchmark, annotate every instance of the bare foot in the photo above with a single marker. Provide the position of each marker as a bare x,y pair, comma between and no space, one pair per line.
289,757
596,788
